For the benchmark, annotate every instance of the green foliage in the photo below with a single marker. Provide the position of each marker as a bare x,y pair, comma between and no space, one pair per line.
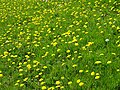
60,45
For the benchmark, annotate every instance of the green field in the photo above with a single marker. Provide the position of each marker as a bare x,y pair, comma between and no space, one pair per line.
60,45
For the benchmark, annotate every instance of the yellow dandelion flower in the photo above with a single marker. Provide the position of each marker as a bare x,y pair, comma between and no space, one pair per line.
75,51
20,70
61,87
79,56
36,76
78,81
81,39
86,32
57,82
63,64
62,77
92,73
113,53
27,56
53,55
20,74
83,48
72,58
108,62
44,87
68,51
25,79
58,86
68,56
118,27
97,77
101,54
74,40
76,44
13,62
75,65
118,45
98,62
80,71
101,31
18,81
42,83
81,84
44,67
41,79
25,63
54,44
58,50
97,74
1,75
70,82
87,71
16,84
21,85
6,53
29,66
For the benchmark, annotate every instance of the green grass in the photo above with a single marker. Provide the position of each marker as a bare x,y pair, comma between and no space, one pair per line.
60,44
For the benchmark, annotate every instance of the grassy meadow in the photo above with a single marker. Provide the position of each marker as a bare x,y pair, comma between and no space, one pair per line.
60,45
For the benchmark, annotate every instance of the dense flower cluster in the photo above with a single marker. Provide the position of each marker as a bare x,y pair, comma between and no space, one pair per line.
59,44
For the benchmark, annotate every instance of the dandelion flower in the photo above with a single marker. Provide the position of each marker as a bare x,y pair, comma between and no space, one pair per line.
58,50
80,71
76,44
78,81
68,51
97,77
74,65
62,77
44,87
61,87
44,67
97,74
20,70
21,85
16,84
98,62
81,84
57,82
42,83
6,53
1,75
108,62
92,73
70,82
28,66
25,79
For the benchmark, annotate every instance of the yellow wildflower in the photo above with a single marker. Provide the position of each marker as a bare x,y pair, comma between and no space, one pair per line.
92,73
81,84
68,51
78,81
44,87
57,82
108,62
1,75
97,77
80,71
98,62
70,82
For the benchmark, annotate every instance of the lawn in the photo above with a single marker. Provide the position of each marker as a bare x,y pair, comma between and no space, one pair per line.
60,45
